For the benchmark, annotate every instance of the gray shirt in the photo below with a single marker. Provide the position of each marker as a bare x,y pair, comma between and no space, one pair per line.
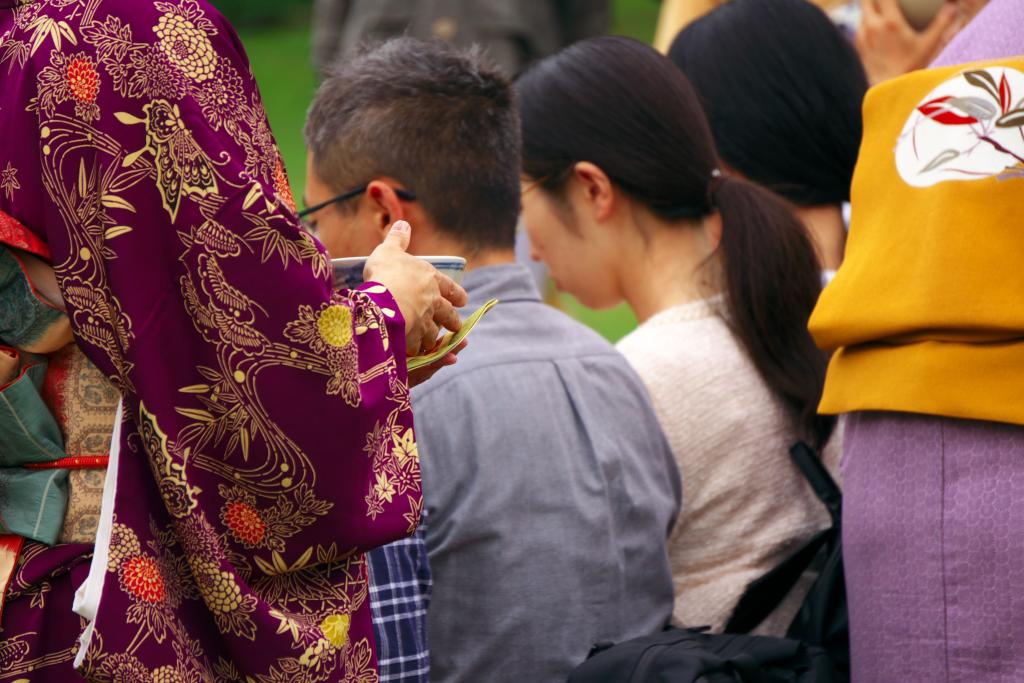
550,490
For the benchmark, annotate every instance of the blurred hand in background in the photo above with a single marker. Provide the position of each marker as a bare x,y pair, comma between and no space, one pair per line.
890,47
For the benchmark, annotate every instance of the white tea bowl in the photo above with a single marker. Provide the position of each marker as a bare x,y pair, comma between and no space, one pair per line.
348,272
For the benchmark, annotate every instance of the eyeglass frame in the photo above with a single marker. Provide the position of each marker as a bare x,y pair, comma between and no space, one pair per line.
406,195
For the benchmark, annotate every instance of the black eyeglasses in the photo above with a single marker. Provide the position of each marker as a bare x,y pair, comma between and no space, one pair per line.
400,193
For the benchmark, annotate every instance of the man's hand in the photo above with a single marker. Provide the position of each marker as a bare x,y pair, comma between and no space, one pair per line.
890,47
427,298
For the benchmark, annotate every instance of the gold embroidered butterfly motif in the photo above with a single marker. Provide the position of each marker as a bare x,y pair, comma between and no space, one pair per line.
181,165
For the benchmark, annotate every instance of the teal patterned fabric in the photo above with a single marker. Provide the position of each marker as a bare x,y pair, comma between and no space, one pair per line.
33,503
28,431
23,317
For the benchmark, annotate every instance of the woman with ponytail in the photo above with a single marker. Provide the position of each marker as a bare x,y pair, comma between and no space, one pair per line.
625,199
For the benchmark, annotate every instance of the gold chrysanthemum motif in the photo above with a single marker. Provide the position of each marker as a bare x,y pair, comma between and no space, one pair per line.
222,96
219,589
335,326
186,46
335,628
163,79
124,545
124,668
167,674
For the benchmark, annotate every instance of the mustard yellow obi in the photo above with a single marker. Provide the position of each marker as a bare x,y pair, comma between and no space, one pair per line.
926,314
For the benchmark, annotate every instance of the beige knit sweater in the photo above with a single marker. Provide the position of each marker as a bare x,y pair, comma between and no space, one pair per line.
745,505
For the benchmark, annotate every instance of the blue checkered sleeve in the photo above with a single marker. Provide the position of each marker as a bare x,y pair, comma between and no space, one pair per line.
400,586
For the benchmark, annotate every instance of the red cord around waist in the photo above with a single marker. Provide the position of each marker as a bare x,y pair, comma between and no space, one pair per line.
77,462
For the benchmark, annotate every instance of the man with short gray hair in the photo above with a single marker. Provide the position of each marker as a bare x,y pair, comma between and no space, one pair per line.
549,486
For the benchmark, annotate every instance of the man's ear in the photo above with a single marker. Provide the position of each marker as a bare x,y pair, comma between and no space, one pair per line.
385,206
597,190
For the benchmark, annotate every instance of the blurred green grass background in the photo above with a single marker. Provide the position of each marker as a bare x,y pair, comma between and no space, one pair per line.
276,35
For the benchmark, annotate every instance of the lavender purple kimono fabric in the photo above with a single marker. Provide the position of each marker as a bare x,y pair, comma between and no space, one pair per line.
267,438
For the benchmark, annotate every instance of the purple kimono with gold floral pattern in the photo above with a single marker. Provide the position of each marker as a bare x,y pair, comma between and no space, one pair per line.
266,439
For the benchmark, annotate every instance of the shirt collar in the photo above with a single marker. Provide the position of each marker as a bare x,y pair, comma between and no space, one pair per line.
507,282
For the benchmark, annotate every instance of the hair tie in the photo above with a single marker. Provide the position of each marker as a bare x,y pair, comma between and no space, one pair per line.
713,185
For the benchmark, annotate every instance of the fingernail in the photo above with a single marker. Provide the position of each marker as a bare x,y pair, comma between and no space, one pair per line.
401,226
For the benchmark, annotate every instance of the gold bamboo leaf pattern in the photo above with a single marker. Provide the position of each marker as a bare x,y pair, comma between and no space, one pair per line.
243,434
46,27
16,52
128,120
195,414
254,193
83,186
112,201
116,231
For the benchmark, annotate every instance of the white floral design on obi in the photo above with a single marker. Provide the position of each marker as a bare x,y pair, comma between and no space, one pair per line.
970,127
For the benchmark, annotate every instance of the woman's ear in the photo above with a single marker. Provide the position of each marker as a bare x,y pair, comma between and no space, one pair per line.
729,170
598,193
712,224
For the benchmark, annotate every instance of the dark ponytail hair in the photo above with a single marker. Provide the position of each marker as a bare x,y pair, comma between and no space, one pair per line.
620,105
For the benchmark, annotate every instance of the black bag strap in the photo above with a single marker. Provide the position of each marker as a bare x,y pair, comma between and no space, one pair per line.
764,594
817,475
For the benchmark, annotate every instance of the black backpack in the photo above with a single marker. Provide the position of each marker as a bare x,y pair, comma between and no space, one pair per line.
816,648
692,656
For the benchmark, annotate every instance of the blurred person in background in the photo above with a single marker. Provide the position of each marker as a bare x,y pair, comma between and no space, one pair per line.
549,486
927,328
782,89
888,42
624,198
513,34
